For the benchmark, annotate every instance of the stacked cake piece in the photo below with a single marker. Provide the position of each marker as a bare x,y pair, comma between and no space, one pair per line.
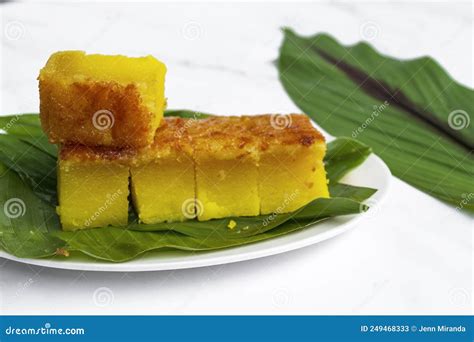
107,114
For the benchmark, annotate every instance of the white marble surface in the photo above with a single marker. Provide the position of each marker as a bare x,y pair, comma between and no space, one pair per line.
413,256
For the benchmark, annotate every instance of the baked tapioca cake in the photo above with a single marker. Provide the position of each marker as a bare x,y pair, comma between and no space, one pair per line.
212,168
163,186
92,187
226,160
291,169
99,100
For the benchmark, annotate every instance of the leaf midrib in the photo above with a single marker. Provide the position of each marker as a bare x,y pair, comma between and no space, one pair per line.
383,92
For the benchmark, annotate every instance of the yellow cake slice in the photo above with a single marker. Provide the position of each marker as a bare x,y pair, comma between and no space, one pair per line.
291,169
163,175
100,100
226,160
92,187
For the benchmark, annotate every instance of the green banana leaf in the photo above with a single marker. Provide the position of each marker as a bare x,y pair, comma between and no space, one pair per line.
411,112
29,225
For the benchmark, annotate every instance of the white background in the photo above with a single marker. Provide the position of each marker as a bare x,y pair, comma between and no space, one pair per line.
413,256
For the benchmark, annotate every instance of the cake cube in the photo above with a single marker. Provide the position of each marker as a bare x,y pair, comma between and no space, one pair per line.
100,100
92,187
163,188
225,157
291,169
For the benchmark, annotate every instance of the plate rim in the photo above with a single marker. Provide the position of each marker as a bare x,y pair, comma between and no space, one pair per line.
133,266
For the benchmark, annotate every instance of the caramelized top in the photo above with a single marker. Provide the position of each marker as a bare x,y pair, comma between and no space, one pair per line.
173,133
275,130
215,137
223,138
171,138
81,153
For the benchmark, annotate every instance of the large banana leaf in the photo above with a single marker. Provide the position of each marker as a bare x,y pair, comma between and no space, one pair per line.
411,112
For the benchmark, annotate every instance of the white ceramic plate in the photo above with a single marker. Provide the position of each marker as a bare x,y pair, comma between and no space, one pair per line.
372,173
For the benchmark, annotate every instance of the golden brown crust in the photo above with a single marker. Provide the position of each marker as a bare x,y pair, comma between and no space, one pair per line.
236,137
173,131
215,137
283,129
80,153
95,113
170,137
223,137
